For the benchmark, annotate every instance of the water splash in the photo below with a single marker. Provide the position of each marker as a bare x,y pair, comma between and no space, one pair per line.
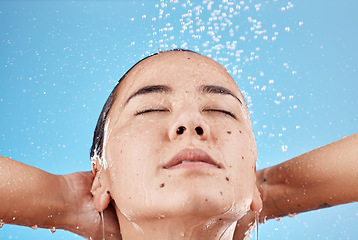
104,160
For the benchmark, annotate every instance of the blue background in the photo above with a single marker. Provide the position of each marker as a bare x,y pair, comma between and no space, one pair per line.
296,62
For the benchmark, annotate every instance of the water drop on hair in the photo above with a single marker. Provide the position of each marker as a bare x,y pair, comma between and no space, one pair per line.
34,227
52,230
291,215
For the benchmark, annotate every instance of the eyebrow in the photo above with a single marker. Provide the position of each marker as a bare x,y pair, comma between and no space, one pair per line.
166,89
150,89
218,90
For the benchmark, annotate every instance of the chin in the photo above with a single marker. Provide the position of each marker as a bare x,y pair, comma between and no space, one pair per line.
205,202
203,197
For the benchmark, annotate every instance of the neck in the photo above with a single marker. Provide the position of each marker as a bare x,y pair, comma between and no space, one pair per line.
183,228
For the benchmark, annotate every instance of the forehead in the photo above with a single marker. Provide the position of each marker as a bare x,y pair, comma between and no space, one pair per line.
180,70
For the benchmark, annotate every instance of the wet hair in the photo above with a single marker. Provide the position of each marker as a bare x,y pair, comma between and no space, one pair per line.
98,137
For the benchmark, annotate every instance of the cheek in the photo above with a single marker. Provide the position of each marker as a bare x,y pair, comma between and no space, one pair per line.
132,169
236,140
239,151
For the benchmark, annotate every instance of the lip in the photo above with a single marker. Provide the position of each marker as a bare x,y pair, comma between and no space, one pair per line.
192,158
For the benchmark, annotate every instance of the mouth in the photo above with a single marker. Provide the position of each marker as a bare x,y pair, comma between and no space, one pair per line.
192,158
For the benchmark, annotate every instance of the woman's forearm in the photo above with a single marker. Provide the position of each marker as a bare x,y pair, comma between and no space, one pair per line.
31,197
324,177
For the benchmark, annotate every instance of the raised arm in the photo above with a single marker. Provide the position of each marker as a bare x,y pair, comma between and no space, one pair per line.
32,197
321,178
324,177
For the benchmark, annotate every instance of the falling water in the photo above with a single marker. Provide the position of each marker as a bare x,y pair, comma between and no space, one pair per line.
257,226
103,236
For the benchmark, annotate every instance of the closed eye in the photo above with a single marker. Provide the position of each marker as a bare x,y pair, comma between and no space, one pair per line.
150,110
221,111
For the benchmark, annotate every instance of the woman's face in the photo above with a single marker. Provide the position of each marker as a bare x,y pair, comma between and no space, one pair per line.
179,141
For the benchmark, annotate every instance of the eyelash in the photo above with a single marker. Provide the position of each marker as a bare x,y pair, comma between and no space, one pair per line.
167,110
150,110
221,111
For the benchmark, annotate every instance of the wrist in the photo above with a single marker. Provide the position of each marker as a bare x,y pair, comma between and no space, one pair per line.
67,216
79,215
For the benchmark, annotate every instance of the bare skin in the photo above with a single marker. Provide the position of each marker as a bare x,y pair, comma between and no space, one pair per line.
194,110
331,190
35,198
321,178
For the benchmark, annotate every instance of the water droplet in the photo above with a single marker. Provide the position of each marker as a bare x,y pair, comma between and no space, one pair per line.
1,223
278,218
291,215
284,148
52,230
182,234
34,227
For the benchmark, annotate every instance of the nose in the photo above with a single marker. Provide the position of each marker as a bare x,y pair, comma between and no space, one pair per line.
189,122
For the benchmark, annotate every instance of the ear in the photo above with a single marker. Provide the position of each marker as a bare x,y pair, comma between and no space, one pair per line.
101,195
256,204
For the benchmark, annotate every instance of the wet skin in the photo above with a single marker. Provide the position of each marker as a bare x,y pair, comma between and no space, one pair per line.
179,145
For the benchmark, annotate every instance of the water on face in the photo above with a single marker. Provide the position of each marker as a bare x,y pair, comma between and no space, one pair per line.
62,66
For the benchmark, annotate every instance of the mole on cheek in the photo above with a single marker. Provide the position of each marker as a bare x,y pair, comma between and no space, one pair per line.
228,132
227,179
162,185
